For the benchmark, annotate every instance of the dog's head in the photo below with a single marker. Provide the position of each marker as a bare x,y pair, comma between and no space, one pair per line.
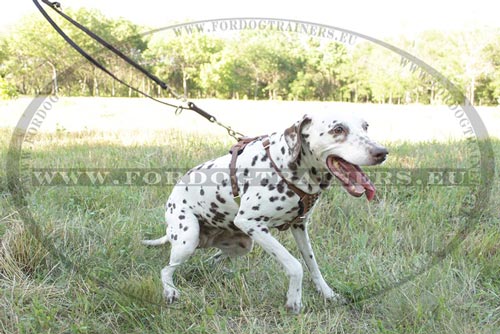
338,143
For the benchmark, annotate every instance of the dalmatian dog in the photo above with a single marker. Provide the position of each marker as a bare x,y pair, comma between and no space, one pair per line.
314,153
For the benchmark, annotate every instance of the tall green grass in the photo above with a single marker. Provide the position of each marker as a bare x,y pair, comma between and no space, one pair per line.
82,268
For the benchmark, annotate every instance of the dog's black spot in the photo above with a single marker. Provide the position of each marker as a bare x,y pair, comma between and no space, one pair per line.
321,134
185,228
184,201
254,160
264,182
281,187
246,172
250,232
187,189
323,186
290,193
279,208
264,158
220,199
273,198
242,212
310,256
181,217
314,171
283,198
245,186
256,207
265,230
258,219
282,149
271,187
202,192
224,183
180,225
219,217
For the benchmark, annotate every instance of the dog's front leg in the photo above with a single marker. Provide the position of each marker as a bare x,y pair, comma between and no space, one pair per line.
260,234
302,238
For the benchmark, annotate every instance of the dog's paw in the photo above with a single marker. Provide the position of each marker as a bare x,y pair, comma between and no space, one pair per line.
330,295
293,307
171,295
335,298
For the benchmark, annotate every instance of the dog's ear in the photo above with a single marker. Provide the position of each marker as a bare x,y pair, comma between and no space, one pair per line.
293,137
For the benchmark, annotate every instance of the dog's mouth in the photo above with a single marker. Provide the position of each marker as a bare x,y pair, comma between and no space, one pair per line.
351,176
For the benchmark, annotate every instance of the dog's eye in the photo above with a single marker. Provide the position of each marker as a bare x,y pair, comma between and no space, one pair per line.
338,130
365,126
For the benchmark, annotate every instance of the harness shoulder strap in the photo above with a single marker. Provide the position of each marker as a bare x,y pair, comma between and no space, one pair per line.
306,201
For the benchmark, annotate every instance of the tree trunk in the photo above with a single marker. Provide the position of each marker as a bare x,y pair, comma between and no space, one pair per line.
55,88
471,91
184,83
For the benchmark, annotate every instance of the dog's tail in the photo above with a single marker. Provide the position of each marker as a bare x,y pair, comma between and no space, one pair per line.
156,242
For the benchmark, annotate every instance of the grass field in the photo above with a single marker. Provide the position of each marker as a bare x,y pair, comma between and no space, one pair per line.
80,268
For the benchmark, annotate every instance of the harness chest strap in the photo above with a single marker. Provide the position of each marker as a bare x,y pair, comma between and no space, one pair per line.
306,200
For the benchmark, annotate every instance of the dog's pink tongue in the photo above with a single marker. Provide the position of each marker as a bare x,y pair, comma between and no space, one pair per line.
352,178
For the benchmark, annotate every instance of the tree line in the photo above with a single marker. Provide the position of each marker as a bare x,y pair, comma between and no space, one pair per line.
246,65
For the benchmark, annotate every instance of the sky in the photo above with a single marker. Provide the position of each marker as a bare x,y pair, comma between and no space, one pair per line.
376,18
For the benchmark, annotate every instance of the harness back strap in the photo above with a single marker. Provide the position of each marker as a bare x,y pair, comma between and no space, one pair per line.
306,201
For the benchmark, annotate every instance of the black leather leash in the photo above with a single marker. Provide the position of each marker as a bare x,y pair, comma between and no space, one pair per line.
56,6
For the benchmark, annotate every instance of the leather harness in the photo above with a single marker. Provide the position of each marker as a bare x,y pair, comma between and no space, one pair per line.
306,201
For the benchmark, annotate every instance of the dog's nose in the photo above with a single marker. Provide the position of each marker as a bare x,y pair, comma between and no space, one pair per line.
379,153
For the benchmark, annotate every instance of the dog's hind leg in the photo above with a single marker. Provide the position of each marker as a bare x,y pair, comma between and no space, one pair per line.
183,236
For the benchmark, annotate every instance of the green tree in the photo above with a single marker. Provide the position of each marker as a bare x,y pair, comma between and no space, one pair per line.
179,59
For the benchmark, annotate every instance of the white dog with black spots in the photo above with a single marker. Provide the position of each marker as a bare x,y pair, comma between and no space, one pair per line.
311,154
